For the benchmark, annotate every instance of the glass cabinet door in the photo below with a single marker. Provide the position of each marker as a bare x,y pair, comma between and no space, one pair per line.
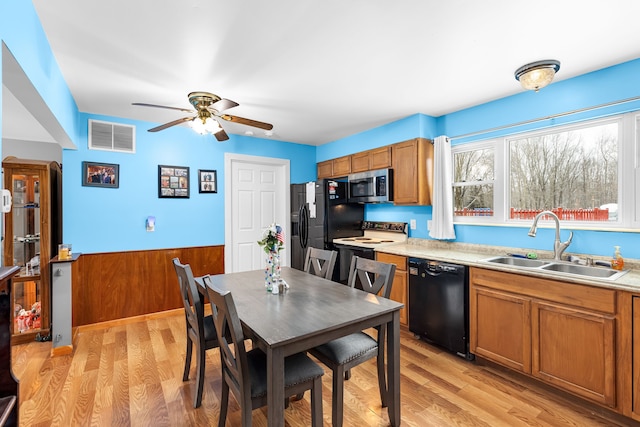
27,298
26,224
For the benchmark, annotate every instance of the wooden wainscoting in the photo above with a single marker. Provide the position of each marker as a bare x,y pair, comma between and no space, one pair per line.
117,285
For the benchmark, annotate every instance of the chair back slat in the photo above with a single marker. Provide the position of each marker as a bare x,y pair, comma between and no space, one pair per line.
320,262
371,276
193,308
231,339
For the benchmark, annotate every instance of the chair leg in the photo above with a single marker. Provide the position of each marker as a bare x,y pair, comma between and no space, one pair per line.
316,403
187,359
199,375
338,396
224,404
246,409
382,382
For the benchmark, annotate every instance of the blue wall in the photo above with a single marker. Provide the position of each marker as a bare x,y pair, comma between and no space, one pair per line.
102,220
597,88
106,220
21,31
593,89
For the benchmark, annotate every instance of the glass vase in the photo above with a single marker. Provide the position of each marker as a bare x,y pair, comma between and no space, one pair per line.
272,272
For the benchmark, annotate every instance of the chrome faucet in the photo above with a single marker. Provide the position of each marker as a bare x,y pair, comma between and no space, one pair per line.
558,246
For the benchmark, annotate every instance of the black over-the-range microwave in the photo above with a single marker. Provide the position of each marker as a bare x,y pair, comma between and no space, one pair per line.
371,187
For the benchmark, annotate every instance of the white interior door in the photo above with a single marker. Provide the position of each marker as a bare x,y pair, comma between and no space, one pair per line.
256,195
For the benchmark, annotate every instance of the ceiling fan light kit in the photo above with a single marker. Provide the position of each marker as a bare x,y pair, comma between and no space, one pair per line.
208,109
536,75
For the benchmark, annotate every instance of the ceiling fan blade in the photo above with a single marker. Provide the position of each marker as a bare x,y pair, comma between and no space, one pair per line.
168,125
223,104
221,135
248,122
141,104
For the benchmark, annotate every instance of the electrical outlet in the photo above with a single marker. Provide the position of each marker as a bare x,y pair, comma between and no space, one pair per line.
429,225
412,224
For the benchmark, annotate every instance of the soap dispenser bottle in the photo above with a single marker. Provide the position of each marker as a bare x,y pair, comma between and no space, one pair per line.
617,263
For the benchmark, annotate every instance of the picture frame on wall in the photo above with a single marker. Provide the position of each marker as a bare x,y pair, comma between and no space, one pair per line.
207,181
173,181
106,175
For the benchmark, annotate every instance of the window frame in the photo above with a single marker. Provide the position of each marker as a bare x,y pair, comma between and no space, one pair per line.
628,166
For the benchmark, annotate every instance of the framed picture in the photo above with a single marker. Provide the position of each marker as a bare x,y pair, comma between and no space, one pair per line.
207,181
173,181
100,174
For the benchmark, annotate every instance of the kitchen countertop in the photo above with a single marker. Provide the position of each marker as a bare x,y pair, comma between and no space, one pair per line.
473,254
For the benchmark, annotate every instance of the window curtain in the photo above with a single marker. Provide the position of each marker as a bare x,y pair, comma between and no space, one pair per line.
442,206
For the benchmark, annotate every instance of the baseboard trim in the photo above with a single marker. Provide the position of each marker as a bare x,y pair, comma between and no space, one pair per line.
62,350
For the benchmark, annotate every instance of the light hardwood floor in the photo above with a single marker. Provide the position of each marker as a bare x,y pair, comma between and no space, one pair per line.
129,373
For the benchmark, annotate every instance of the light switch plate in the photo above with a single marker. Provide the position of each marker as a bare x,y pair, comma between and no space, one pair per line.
412,224
429,224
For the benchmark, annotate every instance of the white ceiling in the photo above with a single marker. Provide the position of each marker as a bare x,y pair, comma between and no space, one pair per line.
324,70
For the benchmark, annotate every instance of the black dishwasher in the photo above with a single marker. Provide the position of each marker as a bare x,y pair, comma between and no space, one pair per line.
439,304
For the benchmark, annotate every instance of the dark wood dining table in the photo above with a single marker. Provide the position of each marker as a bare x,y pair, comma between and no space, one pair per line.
311,312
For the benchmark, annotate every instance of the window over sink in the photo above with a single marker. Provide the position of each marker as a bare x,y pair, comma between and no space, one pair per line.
573,170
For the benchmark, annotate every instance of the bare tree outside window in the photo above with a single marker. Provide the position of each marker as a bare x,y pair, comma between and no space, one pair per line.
570,171
473,182
573,172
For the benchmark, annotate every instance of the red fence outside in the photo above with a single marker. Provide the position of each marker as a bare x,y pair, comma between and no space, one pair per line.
594,214
474,212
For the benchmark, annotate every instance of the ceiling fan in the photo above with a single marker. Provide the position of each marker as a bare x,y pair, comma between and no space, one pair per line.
208,107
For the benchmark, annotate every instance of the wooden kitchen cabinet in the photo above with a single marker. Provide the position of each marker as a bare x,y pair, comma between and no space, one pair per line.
33,230
334,168
399,288
361,162
561,333
635,358
378,158
574,350
628,354
500,328
341,166
413,172
325,169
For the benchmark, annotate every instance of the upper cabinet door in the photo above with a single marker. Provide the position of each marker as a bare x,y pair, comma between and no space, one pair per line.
342,166
360,162
413,172
380,158
325,169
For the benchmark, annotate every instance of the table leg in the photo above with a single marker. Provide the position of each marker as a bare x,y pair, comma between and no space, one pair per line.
393,369
275,387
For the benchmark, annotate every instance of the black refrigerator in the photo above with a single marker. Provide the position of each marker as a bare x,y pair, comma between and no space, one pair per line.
334,218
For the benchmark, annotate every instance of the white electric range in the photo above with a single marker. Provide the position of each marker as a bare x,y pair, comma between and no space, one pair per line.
376,234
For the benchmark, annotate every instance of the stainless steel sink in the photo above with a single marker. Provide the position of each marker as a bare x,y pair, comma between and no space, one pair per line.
556,267
583,270
516,262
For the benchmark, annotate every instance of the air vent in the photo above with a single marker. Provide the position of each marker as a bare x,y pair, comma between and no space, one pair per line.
112,137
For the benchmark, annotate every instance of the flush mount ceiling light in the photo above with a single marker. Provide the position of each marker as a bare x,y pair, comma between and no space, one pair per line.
536,75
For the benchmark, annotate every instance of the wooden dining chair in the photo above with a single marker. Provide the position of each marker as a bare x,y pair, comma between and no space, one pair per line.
344,353
201,332
320,262
245,372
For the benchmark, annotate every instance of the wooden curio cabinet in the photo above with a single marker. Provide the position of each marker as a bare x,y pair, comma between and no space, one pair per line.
32,232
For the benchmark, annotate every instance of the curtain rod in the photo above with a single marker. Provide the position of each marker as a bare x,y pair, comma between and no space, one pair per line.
526,122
